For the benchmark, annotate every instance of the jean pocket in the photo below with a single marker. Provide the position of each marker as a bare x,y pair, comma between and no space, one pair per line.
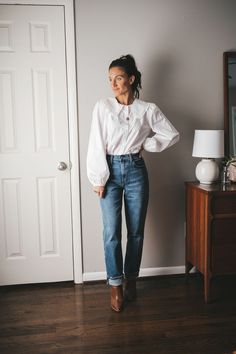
139,162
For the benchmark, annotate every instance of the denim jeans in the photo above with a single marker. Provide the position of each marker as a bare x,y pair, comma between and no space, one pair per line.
128,181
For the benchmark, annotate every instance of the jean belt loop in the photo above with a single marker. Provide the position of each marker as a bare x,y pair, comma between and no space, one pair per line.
130,157
112,156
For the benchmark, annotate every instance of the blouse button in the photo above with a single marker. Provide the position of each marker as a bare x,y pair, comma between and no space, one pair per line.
127,118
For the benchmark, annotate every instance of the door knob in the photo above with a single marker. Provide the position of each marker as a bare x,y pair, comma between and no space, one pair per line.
62,166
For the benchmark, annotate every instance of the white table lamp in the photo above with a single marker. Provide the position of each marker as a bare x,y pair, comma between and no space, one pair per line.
208,144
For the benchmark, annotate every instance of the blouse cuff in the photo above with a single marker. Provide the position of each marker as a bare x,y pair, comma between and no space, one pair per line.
98,181
151,145
157,145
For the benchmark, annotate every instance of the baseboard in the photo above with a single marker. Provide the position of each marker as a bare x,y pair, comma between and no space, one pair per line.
144,272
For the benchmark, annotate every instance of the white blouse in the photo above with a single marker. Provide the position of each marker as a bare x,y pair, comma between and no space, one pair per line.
119,129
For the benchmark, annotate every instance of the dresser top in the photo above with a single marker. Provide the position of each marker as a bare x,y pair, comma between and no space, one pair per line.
214,187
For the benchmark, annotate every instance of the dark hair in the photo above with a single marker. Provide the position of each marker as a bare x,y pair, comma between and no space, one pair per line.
127,63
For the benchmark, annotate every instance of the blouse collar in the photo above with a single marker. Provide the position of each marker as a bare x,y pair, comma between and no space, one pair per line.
137,108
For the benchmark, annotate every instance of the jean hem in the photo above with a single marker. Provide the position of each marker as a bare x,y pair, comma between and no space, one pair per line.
131,276
115,281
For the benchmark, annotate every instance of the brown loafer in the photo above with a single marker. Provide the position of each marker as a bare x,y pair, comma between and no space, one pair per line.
130,289
117,298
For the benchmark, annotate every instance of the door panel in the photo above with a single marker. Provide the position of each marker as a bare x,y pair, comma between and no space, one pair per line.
35,198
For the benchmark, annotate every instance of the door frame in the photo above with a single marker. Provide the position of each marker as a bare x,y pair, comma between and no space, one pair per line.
73,125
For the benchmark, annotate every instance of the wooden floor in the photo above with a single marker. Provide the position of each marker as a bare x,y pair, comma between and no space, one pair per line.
169,316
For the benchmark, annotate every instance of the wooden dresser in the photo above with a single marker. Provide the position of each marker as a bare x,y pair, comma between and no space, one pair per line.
210,230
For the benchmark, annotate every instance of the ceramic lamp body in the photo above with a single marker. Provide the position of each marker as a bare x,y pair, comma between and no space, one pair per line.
207,171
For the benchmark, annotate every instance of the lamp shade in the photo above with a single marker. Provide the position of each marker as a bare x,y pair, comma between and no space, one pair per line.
208,144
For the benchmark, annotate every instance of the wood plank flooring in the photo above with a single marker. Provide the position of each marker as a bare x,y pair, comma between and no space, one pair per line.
169,316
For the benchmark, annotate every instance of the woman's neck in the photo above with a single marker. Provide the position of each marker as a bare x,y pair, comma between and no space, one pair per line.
126,99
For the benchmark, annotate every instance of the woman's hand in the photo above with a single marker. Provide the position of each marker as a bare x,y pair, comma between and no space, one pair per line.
100,190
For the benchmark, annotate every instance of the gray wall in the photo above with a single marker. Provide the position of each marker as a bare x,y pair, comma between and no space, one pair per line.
178,46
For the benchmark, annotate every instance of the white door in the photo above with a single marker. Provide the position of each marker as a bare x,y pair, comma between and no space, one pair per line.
35,198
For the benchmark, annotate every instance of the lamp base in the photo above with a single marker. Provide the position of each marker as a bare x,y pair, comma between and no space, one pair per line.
207,171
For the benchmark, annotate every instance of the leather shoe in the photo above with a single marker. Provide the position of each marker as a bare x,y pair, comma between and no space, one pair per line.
117,298
130,289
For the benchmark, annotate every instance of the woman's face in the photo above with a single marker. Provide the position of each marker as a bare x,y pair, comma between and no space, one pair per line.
121,84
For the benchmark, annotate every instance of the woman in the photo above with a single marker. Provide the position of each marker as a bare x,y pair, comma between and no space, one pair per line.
121,128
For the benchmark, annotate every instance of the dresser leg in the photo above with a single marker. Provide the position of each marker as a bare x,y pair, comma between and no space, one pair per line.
188,267
207,288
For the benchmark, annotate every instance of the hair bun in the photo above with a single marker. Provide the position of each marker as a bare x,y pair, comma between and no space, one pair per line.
128,57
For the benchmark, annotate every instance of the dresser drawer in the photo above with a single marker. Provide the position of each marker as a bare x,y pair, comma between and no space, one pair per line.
223,204
223,246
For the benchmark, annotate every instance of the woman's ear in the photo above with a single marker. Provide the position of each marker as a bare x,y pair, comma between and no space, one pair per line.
131,79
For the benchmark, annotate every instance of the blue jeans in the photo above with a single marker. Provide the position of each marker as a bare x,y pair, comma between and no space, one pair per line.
129,181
